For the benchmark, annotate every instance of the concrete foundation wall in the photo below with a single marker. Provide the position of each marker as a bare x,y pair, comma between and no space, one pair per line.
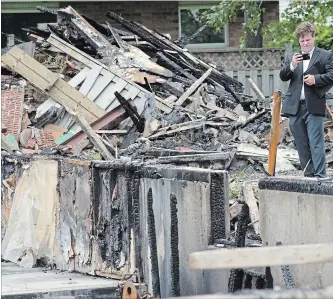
109,219
296,212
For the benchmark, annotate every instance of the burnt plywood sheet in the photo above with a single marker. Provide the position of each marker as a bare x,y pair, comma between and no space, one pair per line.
111,228
75,217
32,221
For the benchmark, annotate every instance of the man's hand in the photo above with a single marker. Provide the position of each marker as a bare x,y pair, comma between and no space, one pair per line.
297,58
309,80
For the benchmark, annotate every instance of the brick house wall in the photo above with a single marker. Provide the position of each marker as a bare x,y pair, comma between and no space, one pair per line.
161,15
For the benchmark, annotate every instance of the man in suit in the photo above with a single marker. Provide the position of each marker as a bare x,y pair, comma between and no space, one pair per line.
302,104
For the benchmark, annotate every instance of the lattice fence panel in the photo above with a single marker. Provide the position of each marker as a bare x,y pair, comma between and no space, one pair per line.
245,59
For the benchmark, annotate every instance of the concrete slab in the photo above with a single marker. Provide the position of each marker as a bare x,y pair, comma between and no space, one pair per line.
182,211
297,211
21,283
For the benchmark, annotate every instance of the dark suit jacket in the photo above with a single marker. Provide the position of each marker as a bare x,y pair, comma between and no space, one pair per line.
315,104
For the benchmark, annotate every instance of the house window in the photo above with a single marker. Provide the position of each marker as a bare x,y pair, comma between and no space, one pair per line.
208,39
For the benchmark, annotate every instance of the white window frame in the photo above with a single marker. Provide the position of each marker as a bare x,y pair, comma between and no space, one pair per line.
208,47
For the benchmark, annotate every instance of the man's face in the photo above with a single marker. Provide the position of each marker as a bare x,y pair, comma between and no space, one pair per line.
306,42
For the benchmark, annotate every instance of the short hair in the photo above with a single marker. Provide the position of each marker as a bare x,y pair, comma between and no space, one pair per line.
304,28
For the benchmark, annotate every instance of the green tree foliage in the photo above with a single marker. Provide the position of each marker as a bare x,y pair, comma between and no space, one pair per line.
277,33
317,12
227,11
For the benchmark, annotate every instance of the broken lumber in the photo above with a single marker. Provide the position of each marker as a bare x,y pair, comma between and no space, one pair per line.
194,158
251,201
49,82
111,131
183,128
193,87
90,62
256,89
275,131
93,137
110,119
261,256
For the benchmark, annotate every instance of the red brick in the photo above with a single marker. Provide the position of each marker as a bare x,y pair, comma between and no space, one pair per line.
12,109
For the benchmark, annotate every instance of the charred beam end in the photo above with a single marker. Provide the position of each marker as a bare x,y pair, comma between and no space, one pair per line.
286,273
132,112
153,246
47,10
217,198
138,30
237,275
235,280
174,243
99,27
268,278
248,281
136,220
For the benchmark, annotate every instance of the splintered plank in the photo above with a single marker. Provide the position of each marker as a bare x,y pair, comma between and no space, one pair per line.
194,158
51,83
94,137
261,256
275,133
193,87
181,129
252,203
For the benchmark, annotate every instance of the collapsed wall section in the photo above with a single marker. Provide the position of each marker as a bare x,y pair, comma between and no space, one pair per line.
111,218
295,212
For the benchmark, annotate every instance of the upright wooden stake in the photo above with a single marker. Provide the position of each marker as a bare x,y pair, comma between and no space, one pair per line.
275,131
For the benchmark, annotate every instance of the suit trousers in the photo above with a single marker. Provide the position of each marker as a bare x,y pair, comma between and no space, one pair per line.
308,132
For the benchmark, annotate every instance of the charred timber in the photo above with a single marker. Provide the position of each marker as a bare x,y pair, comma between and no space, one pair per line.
138,121
138,30
47,10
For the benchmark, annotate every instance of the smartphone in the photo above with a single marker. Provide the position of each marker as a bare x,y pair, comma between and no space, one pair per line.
306,56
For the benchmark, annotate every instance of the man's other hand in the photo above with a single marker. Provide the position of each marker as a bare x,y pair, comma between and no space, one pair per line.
297,58
309,80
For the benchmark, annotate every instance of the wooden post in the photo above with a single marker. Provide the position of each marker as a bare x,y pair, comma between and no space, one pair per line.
275,131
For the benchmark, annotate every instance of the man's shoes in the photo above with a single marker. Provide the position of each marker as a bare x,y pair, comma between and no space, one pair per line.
323,179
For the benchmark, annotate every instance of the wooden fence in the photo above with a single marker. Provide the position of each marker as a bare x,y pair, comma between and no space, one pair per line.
261,65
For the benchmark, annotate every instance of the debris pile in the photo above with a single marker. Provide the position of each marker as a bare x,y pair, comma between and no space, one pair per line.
94,91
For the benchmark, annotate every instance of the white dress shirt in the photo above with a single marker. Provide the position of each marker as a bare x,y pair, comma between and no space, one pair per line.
305,67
